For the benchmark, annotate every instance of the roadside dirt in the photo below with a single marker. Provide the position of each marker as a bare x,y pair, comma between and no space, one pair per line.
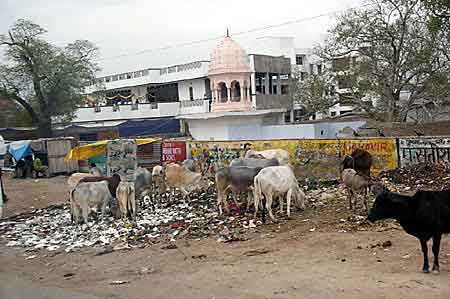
277,261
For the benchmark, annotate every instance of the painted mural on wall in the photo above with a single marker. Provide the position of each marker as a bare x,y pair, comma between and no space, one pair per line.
422,149
319,158
121,158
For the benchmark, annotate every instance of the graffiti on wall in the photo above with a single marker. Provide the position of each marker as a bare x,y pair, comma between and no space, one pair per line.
423,149
121,158
318,158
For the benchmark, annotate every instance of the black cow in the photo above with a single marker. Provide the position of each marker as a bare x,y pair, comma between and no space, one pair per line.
424,215
360,160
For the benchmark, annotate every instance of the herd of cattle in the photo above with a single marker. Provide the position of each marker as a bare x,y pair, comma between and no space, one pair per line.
262,177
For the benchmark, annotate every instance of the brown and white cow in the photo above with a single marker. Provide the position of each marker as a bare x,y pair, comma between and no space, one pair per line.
182,178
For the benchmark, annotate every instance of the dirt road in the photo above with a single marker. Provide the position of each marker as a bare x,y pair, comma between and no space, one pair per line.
286,261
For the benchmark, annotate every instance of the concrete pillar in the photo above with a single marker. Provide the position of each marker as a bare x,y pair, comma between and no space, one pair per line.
229,94
242,94
266,84
219,95
292,115
248,97
278,84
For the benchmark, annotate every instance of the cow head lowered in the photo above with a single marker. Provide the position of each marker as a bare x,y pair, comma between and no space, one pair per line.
387,205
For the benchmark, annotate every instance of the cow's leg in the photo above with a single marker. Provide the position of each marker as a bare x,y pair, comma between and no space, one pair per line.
256,203
281,202
350,195
288,202
436,247
249,199
423,244
85,212
104,206
220,201
269,200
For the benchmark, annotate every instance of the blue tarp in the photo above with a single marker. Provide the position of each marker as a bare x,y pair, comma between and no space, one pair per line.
20,149
149,127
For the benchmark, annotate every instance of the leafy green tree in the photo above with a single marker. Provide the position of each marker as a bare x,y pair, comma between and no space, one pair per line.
46,80
392,55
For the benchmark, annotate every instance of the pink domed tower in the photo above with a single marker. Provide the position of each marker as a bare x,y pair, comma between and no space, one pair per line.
229,73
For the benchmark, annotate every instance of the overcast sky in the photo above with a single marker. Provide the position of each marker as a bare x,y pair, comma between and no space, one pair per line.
128,26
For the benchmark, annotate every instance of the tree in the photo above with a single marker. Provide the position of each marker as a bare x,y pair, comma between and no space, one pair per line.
314,93
392,56
47,81
439,13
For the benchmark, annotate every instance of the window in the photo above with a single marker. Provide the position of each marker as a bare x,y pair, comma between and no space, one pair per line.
299,59
284,89
287,116
298,114
191,93
319,69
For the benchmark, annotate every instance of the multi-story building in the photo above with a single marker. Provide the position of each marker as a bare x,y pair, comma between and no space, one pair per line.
232,88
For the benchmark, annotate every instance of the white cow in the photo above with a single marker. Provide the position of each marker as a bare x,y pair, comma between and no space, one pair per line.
277,181
126,199
87,196
281,155
75,178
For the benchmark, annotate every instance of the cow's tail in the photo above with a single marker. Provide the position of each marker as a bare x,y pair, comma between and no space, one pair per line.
72,205
259,199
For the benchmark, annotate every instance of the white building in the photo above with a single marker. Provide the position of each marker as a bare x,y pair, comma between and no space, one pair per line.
235,95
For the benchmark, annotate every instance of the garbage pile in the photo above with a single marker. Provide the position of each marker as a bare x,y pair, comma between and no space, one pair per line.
168,218
420,176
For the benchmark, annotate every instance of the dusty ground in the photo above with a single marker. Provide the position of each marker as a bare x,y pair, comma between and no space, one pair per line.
286,261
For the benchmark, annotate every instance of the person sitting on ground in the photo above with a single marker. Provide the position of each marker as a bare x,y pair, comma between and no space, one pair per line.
39,168
94,170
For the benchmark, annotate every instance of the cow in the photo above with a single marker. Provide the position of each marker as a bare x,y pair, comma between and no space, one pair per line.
75,178
87,196
142,182
360,160
281,155
356,185
113,181
126,199
179,177
254,162
190,164
277,181
237,179
158,179
424,215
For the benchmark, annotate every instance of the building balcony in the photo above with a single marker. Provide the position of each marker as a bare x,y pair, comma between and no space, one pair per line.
243,105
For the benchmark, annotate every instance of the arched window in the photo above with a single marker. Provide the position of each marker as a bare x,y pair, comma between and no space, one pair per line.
235,91
223,92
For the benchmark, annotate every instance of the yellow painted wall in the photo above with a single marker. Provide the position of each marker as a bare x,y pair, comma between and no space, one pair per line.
318,158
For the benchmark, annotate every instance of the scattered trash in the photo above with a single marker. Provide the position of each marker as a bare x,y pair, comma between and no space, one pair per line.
170,246
257,252
31,257
312,229
200,256
386,244
406,256
119,282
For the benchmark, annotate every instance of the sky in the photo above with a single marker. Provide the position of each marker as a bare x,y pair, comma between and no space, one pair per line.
121,28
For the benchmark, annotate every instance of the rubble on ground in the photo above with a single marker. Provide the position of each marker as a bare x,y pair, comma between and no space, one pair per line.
169,217
419,176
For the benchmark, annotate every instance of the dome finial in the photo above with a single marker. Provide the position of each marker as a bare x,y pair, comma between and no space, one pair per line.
228,33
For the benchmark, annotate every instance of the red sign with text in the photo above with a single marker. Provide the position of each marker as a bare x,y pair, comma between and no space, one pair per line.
174,151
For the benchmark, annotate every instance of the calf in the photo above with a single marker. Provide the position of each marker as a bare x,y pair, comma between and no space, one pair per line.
277,181
281,155
179,177
254,162
126,199
424,215
87,196
356,185
238,179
